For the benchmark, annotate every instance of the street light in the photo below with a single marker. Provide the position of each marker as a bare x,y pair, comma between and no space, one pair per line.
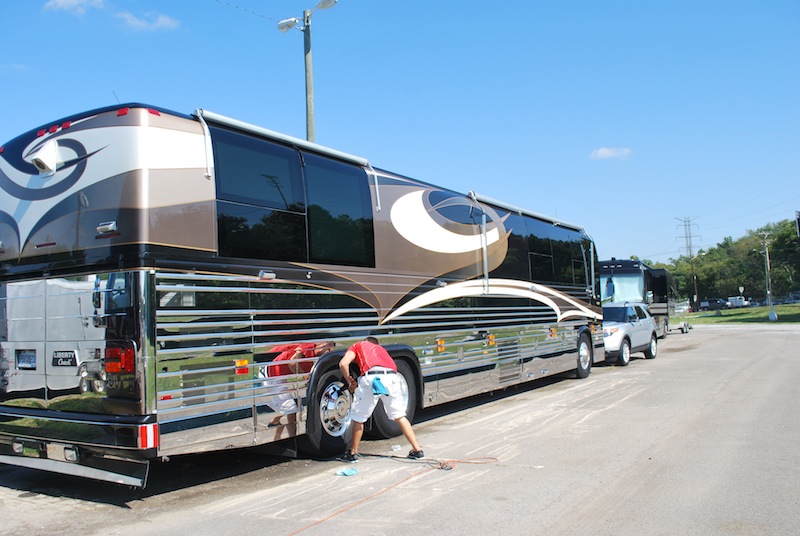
287,24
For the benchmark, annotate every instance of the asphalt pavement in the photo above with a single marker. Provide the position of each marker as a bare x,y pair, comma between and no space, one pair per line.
701,440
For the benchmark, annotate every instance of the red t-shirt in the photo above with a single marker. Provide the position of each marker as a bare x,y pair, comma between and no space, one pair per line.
370,355
287,352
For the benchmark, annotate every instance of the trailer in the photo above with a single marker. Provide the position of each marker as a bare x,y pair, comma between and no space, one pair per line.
738,301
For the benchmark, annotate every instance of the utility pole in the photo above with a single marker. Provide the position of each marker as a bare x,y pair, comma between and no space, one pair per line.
687,229
773,316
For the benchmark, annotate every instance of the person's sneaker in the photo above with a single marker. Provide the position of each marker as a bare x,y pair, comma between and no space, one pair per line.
349,457
416,454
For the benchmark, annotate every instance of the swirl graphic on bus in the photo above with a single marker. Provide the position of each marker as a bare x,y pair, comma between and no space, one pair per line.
28,193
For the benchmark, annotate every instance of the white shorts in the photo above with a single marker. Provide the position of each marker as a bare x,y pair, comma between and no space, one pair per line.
284,403
364,401
282,399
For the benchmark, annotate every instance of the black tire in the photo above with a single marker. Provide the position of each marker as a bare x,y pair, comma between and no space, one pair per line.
585,356
624,353
328,426
381,426
652,350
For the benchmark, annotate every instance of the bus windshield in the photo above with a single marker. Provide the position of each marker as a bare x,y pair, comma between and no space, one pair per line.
622,287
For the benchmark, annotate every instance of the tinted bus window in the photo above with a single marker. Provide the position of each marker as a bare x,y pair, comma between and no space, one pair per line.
339,213
515,265
541,253
260,199
254,171
580,259
251,232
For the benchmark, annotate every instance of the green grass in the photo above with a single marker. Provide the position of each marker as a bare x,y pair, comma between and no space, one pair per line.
749,315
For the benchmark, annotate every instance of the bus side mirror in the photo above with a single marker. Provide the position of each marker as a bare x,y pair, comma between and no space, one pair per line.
649,297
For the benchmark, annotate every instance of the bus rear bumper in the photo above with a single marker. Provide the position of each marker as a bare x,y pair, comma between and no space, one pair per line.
125,472
111,449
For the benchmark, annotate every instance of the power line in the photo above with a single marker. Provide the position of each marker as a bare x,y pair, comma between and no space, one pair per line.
752,216
245,10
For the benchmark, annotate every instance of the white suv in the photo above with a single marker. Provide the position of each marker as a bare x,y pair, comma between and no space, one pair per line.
628,327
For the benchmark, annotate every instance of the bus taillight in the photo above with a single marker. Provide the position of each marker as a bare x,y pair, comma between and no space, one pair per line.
119,360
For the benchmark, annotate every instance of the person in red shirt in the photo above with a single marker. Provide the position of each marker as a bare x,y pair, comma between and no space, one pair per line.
289,352
379,379
291,360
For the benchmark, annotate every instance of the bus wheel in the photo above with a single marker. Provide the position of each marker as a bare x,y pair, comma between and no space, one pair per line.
624,353
585,356
652,350
382,426
328,421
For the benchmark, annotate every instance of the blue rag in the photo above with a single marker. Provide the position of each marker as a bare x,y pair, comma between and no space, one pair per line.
378,388
347,472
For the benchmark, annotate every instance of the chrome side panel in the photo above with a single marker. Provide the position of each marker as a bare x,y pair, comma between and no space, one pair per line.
504,358
215,338
216,335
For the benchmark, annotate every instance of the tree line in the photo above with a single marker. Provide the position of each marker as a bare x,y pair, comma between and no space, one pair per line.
721,270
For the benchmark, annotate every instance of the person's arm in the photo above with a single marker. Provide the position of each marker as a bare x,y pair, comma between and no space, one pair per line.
298,354
344,368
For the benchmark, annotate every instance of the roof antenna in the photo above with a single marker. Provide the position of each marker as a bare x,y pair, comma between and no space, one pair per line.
115,96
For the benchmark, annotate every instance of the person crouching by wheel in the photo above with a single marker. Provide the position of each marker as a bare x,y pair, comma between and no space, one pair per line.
379,378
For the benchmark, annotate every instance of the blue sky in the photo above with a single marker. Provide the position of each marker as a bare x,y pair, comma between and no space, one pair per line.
626,117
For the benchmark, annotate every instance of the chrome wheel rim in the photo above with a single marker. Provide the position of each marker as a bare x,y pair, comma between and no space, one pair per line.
585,356
334,409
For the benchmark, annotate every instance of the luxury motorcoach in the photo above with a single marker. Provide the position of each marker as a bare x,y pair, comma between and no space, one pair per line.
160,271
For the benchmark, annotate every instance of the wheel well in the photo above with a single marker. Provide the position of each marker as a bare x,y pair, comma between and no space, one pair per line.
328,362
584,330
399,352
